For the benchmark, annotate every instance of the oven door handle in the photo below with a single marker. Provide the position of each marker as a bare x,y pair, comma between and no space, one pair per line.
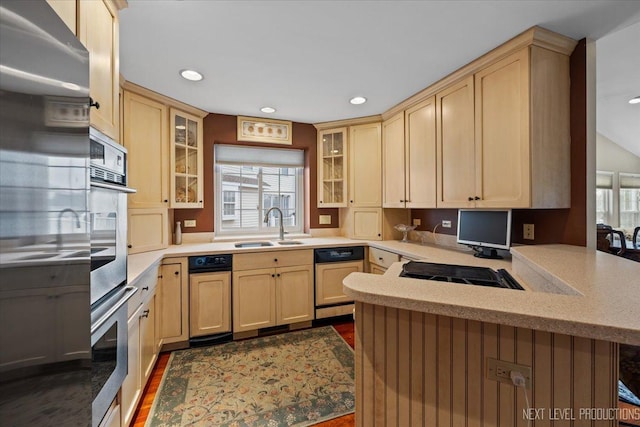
113,187
129,292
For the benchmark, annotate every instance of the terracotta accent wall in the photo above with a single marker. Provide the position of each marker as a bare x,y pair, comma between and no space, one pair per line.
551,225
221,129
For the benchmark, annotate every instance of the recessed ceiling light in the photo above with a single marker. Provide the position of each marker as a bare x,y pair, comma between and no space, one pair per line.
192,75
268,110
358,100
635,100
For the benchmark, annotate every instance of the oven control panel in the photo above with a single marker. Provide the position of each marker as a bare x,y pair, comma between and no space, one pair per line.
208,263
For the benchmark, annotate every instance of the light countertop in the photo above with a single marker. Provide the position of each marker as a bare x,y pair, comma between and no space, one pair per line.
568,289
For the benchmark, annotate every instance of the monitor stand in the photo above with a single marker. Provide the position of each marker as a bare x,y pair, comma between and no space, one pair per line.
487,253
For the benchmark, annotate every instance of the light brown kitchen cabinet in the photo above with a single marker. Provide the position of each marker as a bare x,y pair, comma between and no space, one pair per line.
393,162
173,291
67,10
148,347
332,168
112,417
380,260
522,131
131,390
366,223
210,303
420,155
365,166
455,145
186,160
376,269
147,229
329,279
98,30
272,288
145,137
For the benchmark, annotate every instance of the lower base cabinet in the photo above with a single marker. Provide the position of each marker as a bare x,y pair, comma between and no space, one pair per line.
173,294
131,387
112,417
272,296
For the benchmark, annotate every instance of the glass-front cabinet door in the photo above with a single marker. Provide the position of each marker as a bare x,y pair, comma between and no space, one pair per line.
332,168
186,160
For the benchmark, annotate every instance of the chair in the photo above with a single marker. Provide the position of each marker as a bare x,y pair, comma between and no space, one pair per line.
605,239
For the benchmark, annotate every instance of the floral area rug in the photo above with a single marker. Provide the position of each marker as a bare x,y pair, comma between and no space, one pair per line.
294,379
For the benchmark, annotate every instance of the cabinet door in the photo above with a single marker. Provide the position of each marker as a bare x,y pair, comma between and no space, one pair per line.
329,279
145,137
34,313
376,269
98,31
174,307
332,168
148,349
365,166
294,294
67,11
420,154
367,223
210,303
455,145
72,309
186,160
131,386
147,229
393,162
502,133
254,304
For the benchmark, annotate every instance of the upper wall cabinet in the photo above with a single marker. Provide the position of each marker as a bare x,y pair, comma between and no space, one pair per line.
409,141
332,168
98,31
455,145
186,160
365,166
522,131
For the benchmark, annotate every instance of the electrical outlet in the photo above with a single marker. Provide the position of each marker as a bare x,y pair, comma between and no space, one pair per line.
528,231
499,370
417,222
325,219
189,222
446,224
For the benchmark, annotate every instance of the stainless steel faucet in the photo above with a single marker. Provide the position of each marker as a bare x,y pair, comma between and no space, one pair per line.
266,219
59,235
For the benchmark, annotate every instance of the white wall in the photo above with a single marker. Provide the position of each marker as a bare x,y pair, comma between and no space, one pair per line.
613,158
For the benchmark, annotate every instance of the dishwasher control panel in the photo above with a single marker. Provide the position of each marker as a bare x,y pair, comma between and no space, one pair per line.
208,263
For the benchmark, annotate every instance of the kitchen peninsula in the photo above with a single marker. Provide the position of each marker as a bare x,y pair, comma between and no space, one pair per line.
422,346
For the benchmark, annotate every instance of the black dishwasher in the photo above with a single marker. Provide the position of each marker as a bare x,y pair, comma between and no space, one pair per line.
210,299
332,265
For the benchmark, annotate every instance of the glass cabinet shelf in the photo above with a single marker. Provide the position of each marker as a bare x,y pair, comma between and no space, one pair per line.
332,168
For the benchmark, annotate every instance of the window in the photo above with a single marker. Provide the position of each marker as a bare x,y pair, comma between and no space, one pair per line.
604,198
249,181
629,200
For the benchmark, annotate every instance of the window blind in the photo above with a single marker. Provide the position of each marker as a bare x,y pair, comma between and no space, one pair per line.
604,180
629,180
274,157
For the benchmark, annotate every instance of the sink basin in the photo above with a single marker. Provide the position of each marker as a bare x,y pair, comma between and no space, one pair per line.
252,244
289,242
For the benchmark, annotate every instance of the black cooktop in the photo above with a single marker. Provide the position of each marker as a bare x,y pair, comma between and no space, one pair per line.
479,276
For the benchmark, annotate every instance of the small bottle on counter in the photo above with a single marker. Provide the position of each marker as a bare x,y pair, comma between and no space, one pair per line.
177,238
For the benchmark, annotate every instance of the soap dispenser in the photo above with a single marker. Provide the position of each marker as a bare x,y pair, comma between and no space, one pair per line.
177,238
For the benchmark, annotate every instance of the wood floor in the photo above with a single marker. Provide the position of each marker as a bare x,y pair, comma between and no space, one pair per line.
344,328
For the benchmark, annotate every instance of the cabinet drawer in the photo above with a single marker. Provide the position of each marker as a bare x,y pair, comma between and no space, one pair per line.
146,284
273,259
382,258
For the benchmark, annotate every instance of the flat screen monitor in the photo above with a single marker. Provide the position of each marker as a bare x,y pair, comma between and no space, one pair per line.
485,230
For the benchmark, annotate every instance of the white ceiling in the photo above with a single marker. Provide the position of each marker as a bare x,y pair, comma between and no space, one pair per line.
308,58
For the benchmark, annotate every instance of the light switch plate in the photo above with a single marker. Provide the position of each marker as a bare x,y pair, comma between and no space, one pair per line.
189,222
325,219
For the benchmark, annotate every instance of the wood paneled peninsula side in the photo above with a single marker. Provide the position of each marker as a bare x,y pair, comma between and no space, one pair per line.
422,347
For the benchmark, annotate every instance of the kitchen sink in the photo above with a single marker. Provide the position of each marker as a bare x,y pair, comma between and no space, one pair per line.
252,244
289,242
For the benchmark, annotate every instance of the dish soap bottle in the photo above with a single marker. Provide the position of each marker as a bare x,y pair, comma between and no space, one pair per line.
177,238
